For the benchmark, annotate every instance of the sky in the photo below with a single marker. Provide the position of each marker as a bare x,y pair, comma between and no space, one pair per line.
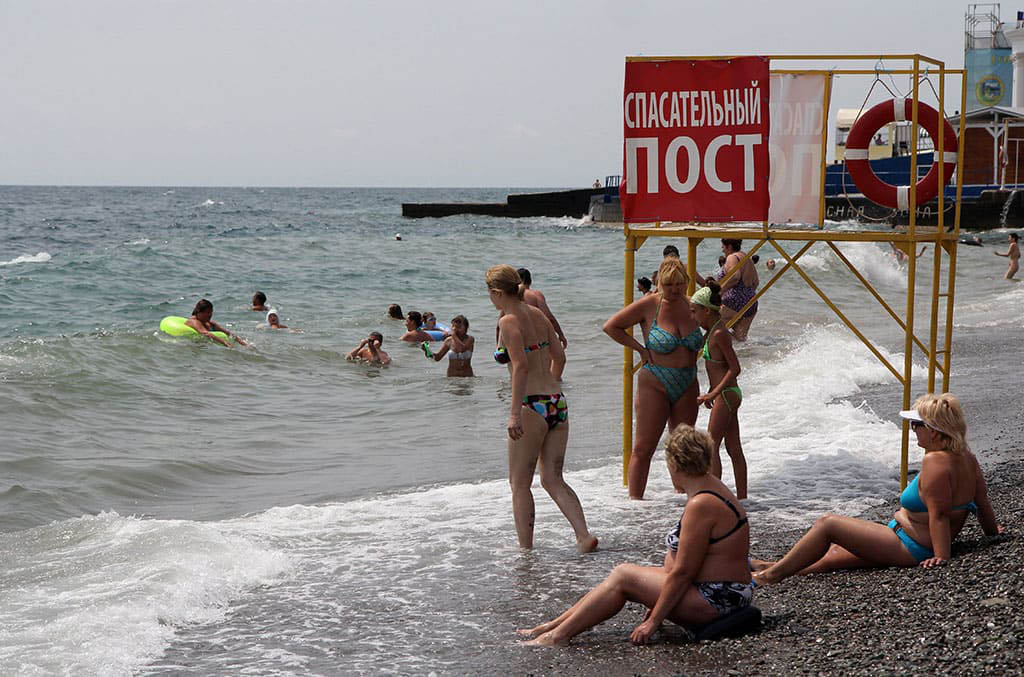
339,93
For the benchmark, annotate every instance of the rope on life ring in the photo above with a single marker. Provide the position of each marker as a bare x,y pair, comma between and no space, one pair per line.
864,130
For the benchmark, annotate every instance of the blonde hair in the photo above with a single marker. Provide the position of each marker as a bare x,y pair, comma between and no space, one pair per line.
943,414
671,271
505,279
689,450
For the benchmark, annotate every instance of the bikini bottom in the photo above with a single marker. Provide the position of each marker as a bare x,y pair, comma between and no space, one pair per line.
554,408
677,380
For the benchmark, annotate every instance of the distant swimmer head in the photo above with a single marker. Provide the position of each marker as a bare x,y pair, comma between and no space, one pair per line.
643,284
258,299
413,320
395,312
770,264
398,236
670,250
429,321
378,337
755,258
272,317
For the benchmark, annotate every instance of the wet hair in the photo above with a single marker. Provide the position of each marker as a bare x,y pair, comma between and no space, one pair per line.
716,291
415,317
755,258
671,271
645,283
461,319
689,450
721,261
202,307
395,311
670,250
377,335
259,298
733,244
506,279
943,414
525,276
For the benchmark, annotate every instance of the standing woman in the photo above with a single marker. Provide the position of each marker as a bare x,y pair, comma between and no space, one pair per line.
538,421
738,289
202,322
667,384
724,395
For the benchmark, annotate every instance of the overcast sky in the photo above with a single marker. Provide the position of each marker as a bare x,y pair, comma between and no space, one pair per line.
339,93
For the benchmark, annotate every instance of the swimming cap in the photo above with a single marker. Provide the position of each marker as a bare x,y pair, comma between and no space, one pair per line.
702,297
272,311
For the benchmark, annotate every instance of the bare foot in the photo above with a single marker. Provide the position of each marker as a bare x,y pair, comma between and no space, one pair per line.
547,639
537,631
760,579
587,544
757,565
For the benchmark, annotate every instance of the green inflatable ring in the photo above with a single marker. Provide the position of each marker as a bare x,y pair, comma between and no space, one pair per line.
175,326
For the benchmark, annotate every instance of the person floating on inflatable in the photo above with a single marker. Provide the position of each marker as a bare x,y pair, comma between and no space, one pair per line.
202,322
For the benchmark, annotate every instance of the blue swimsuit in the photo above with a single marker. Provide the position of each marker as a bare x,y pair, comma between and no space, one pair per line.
677,380
911,500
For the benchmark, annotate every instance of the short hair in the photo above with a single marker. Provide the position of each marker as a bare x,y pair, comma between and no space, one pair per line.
415,317
689,450
202,307
259,298
943,414
461,319
733,243
1015,236
524,275
377,335
645,283
670,250
395,311
671,271
506,279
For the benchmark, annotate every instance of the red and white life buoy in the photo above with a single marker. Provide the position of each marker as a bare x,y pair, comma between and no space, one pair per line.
864,130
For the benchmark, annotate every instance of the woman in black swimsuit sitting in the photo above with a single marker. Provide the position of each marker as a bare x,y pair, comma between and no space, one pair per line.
538,422
705,575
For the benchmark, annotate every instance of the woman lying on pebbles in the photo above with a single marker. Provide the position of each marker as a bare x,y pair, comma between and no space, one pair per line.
933,507
706,574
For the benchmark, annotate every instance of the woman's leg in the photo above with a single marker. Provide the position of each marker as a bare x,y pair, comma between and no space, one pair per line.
627,583
862,544
652,410
552,460
742,326
717,426
684,410
522,461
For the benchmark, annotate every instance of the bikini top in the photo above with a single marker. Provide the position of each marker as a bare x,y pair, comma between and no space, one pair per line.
501,355
664,342
464,355
706,352
911,500
672,538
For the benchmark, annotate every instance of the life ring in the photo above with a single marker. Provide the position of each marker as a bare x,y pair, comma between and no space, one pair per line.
437,334
175,326
864,130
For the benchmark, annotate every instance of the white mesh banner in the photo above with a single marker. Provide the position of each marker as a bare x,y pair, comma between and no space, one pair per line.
797,111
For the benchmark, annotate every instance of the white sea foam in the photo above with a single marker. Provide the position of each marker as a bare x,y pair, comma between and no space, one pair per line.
105,594
209,203
144,240
41,257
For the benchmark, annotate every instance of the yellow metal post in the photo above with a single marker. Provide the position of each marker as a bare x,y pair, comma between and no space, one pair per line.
952,248
627,363
691,264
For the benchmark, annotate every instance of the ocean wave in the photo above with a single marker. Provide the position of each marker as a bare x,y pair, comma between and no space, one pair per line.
41,257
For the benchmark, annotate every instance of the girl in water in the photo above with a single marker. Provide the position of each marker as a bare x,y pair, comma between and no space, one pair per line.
724,395
202,322
538,420
459,347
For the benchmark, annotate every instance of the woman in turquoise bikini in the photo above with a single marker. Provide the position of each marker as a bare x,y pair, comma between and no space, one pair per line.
538,421
933,508
724,397
667,384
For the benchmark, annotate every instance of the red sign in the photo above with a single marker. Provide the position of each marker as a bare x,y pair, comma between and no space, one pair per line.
695,144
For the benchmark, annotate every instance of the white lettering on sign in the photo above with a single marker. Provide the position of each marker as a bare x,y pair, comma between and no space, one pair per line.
695,108
693,158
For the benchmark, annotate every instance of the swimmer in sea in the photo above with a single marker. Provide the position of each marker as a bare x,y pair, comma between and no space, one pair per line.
458,346
369,350
273,320
902,256
413,332
202,322
395,312
1013,253
259,302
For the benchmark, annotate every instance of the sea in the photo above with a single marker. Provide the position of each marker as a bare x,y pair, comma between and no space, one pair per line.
171,506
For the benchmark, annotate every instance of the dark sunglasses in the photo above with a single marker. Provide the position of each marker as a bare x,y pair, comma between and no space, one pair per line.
917,425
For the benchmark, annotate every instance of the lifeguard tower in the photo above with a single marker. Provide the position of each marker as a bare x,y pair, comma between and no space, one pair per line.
657,131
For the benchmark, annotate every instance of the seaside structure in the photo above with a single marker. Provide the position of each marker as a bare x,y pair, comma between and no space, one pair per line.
641,199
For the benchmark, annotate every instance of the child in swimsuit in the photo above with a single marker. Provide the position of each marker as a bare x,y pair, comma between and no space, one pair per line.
459,348
724,395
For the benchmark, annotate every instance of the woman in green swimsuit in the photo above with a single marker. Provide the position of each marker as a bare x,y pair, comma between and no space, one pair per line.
724,396
667,384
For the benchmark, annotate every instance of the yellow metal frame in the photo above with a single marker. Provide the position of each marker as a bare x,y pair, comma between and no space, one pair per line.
944,242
